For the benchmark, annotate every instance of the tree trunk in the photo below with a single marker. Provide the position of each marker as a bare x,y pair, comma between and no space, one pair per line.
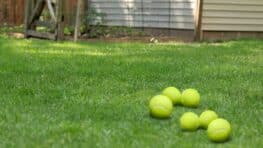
77,25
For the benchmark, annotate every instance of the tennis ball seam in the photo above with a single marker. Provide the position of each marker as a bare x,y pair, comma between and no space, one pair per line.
161,106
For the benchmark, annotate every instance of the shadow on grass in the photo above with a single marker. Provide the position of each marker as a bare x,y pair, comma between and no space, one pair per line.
159,118
223,142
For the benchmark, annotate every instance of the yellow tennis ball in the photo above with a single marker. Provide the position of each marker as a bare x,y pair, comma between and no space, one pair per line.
190,98
219,130
161,106
207,117
189,121
173,93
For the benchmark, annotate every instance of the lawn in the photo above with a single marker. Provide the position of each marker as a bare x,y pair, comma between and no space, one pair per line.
96,94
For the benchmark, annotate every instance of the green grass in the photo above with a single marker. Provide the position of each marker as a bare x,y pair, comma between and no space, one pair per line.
7,29
96,94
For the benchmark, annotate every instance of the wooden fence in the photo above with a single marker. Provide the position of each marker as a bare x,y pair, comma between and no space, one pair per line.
12,11
177,14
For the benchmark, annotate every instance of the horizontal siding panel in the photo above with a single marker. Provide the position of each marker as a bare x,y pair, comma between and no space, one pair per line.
235,2
230,7
144,9
234,21
143,21
152,24
232,14
139,1
171,25
143,2
222,27
150,18
156,12
145,6
147,13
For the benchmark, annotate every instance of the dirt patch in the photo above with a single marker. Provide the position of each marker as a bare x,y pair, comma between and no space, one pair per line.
148,39
133,39
16,35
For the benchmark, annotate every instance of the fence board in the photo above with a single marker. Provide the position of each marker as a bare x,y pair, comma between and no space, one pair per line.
11,12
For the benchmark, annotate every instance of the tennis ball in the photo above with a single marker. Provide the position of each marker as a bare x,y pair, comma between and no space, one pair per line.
219,130
190,98
189,121
161,106
207,117
173,93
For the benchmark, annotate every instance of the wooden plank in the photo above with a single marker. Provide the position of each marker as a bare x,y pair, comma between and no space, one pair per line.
78,18
20,7
37,11
41,35
26,19
51,10
51,25
60,19
198,21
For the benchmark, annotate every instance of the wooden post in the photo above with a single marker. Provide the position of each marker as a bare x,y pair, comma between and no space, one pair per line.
51,11
77,25
26,19
39,6
198,21
60,19
33,3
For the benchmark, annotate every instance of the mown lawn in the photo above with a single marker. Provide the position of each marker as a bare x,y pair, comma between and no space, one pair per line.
96,94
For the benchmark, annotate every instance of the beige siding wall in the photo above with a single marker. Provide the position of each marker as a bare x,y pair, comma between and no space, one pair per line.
232,15
178,14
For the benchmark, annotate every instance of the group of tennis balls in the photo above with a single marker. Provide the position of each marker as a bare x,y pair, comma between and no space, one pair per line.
161,106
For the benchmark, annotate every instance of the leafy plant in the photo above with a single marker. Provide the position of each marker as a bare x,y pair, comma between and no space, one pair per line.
94,17
94,20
